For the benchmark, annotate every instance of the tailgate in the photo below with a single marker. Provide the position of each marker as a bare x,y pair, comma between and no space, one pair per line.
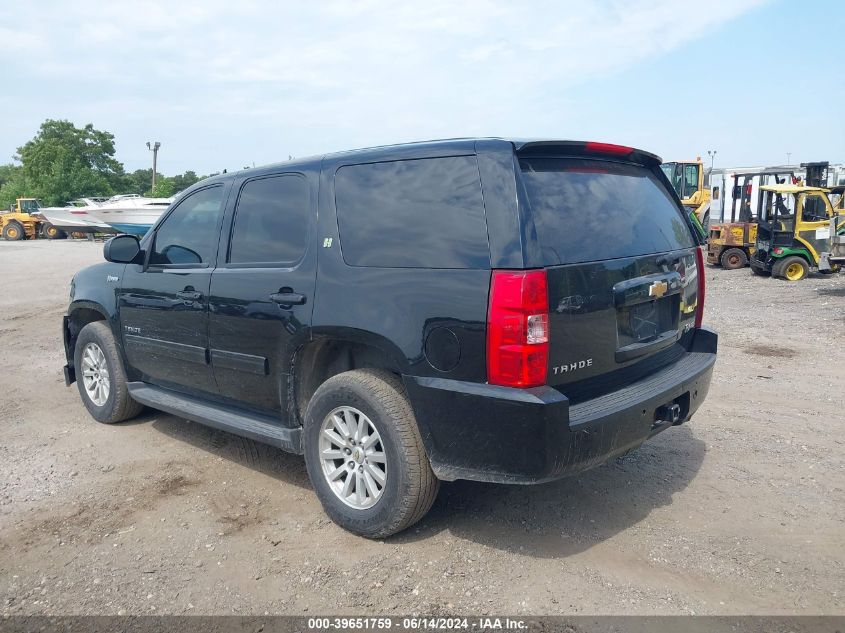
614,321
621,267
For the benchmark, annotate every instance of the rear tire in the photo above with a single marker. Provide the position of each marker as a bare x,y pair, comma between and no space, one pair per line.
733,258
14,231
375,401
101,377
791,269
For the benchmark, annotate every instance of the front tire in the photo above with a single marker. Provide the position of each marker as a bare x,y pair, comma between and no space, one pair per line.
100,375
733,258
365,456
51,232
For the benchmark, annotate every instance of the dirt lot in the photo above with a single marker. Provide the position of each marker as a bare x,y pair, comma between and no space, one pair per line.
740,511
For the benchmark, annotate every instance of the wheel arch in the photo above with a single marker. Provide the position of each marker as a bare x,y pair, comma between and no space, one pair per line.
79,314
803,253
332,353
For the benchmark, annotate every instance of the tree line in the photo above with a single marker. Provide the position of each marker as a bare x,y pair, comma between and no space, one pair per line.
63,162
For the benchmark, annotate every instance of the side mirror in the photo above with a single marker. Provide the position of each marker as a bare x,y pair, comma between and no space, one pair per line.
122,249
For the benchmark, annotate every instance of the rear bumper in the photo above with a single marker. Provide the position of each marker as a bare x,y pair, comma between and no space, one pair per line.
498,434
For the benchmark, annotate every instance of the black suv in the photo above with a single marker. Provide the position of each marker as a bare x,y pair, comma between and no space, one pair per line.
496,310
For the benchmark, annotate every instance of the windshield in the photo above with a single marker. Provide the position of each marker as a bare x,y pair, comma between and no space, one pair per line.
671,171
588,210
778,209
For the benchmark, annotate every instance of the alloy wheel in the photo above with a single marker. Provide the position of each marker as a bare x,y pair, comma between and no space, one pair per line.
95,374
352,457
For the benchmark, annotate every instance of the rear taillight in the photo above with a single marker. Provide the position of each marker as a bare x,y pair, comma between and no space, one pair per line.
518,328
699,264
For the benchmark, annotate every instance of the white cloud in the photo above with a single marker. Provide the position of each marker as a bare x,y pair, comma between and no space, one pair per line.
336,74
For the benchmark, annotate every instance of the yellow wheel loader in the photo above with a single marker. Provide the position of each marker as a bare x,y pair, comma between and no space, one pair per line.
19,222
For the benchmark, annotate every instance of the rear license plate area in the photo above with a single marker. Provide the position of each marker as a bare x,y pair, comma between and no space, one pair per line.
643,322
647,327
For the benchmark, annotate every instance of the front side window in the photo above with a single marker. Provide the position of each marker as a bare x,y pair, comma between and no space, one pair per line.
271,221
189,234
690,180
815,209
30,206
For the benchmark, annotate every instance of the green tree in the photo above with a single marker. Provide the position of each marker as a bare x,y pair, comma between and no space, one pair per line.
139,181
12,184
183,181
163,188
64,162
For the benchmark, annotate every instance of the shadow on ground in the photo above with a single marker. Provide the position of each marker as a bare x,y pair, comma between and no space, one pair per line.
831,292
551,520
268,460
566,517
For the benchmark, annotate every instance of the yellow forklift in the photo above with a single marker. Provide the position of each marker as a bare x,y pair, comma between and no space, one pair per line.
730,244
793,231
19,222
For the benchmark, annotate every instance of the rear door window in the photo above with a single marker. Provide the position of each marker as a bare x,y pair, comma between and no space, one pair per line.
588,210
423,213
271,221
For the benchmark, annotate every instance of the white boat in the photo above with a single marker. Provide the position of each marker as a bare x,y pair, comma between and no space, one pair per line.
74,217
131,213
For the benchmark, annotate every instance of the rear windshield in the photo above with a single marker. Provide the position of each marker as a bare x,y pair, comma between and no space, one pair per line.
588,210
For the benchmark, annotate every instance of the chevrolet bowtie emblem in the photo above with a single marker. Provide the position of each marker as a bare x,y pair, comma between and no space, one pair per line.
658,289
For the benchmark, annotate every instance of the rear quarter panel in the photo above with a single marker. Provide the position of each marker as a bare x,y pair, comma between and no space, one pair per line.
397,309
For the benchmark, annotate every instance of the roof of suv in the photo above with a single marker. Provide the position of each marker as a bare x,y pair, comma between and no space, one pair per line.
421,148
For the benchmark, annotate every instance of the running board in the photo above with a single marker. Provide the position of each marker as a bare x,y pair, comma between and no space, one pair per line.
257,427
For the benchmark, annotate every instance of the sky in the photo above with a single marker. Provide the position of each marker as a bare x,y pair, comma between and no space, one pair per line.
225,84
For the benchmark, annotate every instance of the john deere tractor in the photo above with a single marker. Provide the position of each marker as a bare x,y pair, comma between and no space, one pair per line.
793,230
19,223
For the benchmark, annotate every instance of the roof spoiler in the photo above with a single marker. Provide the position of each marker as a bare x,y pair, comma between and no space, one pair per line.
588,148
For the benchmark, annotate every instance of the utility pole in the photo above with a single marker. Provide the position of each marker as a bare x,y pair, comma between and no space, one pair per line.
712,154
788,155
153,147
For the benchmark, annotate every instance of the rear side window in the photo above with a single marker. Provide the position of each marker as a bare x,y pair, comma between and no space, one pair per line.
588,210
425,213
271,221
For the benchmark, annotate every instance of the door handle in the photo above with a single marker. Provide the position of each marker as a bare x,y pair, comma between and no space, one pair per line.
288,298
189,295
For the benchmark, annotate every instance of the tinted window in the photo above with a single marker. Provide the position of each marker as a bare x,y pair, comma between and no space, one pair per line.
587,210
271,221
815,209
412,214
189,234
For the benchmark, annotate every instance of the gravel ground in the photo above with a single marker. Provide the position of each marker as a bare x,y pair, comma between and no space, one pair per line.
738,512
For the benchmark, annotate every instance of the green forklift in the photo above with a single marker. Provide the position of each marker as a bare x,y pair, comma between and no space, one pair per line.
793,230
